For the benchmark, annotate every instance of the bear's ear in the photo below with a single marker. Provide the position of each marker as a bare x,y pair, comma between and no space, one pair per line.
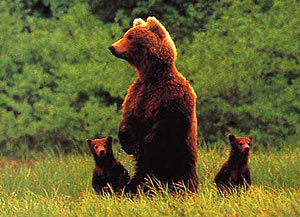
231,137
109,140
90,143
138,21
251,138
155,26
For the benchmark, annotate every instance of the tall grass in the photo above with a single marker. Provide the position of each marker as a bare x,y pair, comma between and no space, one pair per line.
60,185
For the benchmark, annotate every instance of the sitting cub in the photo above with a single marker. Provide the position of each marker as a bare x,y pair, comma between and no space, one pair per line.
108,171
235,172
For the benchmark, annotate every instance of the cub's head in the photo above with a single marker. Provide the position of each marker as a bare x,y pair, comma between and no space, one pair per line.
100,147
145,41
240,144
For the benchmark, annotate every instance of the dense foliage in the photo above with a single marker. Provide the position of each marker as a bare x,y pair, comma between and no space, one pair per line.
59,84
245,69
180,16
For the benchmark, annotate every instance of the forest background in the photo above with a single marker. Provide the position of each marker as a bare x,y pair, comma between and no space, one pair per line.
59,84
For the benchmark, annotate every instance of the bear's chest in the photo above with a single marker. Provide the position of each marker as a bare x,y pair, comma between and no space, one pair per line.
141,102
235,176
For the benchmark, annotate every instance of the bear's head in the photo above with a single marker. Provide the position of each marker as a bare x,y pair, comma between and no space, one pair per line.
100,147
145,42
240,144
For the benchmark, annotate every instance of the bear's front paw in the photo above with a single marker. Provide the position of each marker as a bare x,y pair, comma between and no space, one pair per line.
127,142
129,149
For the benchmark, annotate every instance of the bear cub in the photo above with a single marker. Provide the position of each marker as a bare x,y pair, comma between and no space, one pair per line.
235,172
108,172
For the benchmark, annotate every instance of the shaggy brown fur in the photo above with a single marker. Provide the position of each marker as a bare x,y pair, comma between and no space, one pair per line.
235,172
108,172
159,125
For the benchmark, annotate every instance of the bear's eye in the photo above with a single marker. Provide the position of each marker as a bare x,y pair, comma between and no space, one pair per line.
104,145
96,146
240,144
129,37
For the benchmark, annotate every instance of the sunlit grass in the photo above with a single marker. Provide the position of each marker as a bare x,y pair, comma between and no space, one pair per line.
51,185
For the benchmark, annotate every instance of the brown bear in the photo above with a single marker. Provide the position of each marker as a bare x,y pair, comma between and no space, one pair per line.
235,172
158,125
108,173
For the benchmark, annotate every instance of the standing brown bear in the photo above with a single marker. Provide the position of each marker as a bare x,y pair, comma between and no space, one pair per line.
159,125
235,172
108,172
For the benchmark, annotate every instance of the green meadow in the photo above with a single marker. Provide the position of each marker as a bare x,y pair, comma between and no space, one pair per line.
60,185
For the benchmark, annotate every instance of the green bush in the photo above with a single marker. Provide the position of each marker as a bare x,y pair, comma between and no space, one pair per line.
245,71
45,8
180,16
58,84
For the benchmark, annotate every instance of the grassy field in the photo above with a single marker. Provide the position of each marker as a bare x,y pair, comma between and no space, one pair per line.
51,185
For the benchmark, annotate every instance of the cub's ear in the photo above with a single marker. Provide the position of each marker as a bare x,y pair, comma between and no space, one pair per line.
231,137
138,21
89,141
155,26
109,140
251,138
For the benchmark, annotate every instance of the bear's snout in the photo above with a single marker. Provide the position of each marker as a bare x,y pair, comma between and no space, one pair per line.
247,149
102,153
111,48
114,51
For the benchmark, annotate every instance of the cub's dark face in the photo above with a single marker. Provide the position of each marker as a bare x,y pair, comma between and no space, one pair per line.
100,147
240,144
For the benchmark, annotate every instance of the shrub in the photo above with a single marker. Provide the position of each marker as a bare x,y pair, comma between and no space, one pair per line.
58,83
245,70
180,16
